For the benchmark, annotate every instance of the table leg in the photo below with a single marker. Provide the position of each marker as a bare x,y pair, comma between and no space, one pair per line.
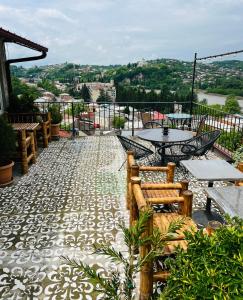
163,155
208,203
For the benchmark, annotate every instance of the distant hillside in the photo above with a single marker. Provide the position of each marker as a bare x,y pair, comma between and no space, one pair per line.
223,77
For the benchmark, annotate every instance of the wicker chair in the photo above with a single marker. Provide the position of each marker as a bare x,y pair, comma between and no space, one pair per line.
160,221
240,168
139,150
198,146
200,125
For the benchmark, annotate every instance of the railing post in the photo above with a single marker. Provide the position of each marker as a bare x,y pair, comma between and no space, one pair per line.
73,120
133,121
193,83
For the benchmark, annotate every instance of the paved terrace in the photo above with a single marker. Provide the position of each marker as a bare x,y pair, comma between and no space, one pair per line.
72,197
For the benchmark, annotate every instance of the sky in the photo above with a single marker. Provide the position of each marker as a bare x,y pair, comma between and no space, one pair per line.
108,32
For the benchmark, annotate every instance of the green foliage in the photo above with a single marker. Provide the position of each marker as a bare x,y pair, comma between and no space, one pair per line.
56,116
77,109
49,86
22,97
85,93
232,106
212,267
7,141
230,140
103,97
238,155
114,285
118,122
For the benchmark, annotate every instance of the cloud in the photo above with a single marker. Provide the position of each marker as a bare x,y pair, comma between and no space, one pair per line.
119,31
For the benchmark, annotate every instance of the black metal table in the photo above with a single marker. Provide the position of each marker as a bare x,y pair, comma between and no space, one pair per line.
156,135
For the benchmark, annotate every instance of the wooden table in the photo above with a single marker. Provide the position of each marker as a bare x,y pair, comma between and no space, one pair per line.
32,127
27,142
229,198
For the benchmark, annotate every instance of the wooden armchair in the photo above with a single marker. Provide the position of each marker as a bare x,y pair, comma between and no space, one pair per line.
240,168
44,119
161,221
134,170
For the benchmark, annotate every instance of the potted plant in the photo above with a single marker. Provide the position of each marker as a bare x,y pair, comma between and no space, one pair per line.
56,118
7,148
118,122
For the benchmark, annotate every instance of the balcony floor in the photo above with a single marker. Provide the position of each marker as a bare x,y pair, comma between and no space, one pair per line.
72,197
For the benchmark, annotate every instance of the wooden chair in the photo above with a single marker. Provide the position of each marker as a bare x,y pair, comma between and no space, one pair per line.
161,221
134,170
240,168
44,119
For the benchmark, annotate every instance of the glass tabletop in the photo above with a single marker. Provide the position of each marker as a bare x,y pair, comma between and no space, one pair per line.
156,135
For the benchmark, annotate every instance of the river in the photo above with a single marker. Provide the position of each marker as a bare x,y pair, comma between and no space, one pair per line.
216,98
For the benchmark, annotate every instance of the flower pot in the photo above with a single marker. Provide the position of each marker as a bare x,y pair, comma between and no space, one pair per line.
6,174
55,130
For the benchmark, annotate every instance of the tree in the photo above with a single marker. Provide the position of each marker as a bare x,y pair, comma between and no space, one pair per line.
85,93
232,105
103,97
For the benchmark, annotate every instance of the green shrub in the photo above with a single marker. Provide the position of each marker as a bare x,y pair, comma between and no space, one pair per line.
118,122
56,116
7,141
212,267
238,156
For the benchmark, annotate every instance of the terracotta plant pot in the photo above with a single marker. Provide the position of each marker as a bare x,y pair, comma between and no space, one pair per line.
6,174
55,130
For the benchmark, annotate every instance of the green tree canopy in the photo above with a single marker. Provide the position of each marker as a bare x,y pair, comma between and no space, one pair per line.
85,93
232,106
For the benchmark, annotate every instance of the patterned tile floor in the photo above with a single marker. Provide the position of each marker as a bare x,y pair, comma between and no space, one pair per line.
72,197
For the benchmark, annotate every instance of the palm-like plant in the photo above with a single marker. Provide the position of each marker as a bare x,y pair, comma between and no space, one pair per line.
116,286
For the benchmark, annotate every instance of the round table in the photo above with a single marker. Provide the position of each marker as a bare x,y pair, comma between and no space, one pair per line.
179,119
156,135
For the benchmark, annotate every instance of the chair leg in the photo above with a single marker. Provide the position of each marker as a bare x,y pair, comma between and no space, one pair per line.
122,164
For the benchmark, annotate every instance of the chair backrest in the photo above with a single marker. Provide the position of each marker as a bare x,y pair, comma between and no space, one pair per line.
204,142
145,117
201,124
139,150
32,117
240,168
134,169
152,124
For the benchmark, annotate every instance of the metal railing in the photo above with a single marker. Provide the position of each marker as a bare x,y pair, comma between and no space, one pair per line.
109,116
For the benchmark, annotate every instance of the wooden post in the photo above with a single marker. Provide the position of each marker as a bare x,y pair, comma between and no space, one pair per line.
146,273
45,137
133,203
187,205
23,150
184,187
170,173
32,146
129,154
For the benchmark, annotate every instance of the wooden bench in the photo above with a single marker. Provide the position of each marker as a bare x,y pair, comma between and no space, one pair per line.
162,222
44,119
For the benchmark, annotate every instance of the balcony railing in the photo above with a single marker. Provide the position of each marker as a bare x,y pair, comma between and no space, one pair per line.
92,117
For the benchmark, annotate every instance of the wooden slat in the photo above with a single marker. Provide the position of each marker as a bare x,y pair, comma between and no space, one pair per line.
160,193
165,200
161,276
161,186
